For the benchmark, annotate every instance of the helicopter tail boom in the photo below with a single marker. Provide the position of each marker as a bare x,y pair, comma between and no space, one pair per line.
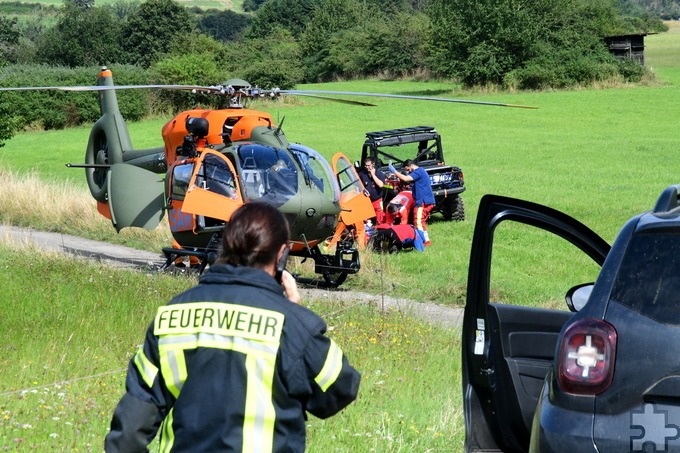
109,144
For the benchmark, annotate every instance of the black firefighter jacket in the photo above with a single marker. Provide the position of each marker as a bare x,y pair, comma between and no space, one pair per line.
231,365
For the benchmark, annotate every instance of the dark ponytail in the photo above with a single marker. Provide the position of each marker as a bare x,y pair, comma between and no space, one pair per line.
253,236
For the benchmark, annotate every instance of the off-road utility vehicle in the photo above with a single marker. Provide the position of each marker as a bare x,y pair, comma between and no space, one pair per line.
423,144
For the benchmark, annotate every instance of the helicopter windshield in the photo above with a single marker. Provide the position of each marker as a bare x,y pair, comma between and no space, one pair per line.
317,171
267,173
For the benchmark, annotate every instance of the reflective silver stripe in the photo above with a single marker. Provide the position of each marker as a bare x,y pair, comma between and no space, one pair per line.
175,386
331,368
209,340
260,362
260,414
146,369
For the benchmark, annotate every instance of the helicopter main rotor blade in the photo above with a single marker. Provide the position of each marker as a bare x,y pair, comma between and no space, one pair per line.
249,92
344,101
402,96
116,87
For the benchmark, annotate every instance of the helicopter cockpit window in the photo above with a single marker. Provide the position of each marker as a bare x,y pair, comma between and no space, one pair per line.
216,176
181,174
316,170
268,173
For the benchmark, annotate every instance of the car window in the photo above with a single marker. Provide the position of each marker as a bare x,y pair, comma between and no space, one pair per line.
649,277
535,268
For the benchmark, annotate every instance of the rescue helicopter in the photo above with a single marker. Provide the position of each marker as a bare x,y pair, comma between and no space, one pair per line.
212,162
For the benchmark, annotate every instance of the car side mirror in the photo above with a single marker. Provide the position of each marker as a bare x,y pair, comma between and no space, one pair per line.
577,297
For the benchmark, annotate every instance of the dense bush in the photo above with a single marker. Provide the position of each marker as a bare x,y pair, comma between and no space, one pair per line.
194,60
149,33
539,45
9,39
291,15
223,25
54,109
376,45
550,72
479,41
82,37
274,61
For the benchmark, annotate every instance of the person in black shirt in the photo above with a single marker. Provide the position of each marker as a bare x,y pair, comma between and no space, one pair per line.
373,181
234,363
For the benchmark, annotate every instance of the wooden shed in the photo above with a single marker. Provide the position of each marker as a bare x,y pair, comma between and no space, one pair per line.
628,46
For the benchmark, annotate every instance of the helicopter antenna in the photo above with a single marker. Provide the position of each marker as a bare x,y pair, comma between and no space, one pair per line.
277,132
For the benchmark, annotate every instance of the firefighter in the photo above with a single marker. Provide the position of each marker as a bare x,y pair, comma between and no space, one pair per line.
233,363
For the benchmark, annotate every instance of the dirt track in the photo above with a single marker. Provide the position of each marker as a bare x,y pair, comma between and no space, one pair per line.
127,257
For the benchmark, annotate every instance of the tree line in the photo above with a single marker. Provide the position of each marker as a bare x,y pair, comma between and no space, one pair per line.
512,44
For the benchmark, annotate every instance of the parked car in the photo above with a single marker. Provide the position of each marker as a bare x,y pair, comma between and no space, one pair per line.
603,376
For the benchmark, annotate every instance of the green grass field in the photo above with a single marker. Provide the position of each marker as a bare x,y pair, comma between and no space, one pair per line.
66,344
599,155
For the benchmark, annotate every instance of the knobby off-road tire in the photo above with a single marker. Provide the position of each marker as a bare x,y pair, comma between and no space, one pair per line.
453,208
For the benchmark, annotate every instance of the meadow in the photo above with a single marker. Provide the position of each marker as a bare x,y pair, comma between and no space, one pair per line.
601,155
70,327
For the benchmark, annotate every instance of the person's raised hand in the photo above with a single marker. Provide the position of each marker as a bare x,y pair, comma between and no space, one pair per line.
290,287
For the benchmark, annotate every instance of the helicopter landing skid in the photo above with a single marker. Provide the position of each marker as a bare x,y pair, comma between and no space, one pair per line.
173,254
333,268
336,268
205,257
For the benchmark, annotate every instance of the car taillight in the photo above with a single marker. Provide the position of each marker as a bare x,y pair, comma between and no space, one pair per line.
585,362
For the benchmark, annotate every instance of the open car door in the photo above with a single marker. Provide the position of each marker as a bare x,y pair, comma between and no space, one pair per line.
355,204
508,349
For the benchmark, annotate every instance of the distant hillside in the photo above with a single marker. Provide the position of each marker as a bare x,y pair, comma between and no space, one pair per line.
664,9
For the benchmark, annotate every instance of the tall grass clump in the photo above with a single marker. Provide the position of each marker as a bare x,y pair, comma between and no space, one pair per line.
65,208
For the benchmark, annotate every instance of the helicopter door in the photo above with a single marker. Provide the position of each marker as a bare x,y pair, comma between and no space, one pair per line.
135,197
354,201
213,191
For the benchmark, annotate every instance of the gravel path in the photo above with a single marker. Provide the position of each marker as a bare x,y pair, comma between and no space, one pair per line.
127,257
